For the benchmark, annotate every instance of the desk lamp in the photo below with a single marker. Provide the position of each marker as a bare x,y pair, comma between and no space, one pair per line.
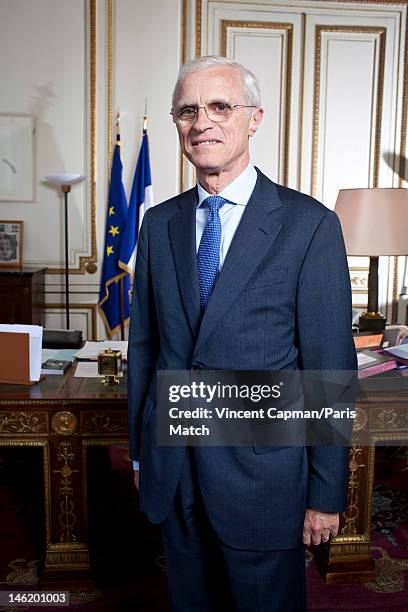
374,223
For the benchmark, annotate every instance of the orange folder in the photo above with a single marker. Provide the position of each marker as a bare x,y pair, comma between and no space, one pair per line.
15,358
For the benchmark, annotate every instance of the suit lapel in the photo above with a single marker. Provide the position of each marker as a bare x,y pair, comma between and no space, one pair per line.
182,233
255,234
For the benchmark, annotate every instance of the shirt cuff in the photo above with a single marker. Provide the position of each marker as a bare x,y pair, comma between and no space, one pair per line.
136,465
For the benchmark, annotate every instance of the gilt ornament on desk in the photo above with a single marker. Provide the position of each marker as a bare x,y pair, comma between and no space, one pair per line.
110,366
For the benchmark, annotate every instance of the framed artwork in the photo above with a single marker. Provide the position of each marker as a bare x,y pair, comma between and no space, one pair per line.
16,158
11,244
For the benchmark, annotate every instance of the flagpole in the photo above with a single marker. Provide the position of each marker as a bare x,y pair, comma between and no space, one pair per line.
141,198
122,308
121,281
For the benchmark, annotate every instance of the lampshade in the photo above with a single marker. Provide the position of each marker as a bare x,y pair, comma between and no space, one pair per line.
64,179
374,221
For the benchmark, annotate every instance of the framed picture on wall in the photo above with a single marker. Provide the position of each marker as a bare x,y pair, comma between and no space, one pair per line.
11,244
16,158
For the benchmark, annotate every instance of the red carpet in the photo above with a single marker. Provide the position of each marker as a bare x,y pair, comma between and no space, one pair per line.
126,550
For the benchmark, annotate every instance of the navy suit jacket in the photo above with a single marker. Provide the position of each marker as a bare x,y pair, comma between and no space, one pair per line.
282,301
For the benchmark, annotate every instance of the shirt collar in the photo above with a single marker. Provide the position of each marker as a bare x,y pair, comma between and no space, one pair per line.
237,192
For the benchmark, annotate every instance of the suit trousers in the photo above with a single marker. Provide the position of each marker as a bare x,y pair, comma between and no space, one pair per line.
206,575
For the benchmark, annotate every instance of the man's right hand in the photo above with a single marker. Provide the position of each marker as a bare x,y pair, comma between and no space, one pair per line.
136,475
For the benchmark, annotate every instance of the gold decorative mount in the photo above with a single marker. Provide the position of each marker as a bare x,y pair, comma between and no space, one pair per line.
67,516
64,423
351,514
104,422
23,422
72,554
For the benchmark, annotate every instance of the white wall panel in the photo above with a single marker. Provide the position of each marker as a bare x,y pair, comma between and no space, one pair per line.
43,68
268,41
350,101
82,317
347,120
246,45
145,66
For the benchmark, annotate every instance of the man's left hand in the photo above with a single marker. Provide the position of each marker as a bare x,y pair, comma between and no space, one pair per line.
319,526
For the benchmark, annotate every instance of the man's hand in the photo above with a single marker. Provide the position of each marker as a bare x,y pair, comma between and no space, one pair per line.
319,526
136,475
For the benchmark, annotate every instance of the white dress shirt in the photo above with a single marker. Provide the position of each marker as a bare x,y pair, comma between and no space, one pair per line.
237,193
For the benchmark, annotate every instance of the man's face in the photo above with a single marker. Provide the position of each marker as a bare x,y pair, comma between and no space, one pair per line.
216,147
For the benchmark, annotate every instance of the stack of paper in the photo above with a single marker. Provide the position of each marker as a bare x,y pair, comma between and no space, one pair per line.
374,362
399,352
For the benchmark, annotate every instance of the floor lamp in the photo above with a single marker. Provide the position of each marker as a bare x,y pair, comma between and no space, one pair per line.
374,223
65,182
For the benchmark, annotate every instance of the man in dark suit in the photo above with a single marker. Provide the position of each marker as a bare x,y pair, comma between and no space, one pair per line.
238,273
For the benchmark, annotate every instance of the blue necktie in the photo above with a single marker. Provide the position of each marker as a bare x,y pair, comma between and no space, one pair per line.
208,255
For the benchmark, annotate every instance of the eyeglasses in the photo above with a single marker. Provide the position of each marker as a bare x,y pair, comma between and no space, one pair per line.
215,111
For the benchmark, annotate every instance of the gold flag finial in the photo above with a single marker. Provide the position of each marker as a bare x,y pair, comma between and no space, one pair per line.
145,118
118,128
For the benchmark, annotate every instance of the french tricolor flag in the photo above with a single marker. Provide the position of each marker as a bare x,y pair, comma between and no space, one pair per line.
141,198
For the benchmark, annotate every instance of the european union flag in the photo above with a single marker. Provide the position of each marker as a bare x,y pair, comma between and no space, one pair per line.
109,294
141,198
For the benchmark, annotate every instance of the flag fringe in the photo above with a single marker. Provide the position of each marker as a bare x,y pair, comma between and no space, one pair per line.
112,280
126,268
116,329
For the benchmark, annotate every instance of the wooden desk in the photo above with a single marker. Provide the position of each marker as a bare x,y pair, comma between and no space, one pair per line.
382,419
64,415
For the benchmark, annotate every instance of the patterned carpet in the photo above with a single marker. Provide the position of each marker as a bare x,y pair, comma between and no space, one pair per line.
127,553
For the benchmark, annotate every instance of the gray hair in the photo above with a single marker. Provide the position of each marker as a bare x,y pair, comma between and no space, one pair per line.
250,86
